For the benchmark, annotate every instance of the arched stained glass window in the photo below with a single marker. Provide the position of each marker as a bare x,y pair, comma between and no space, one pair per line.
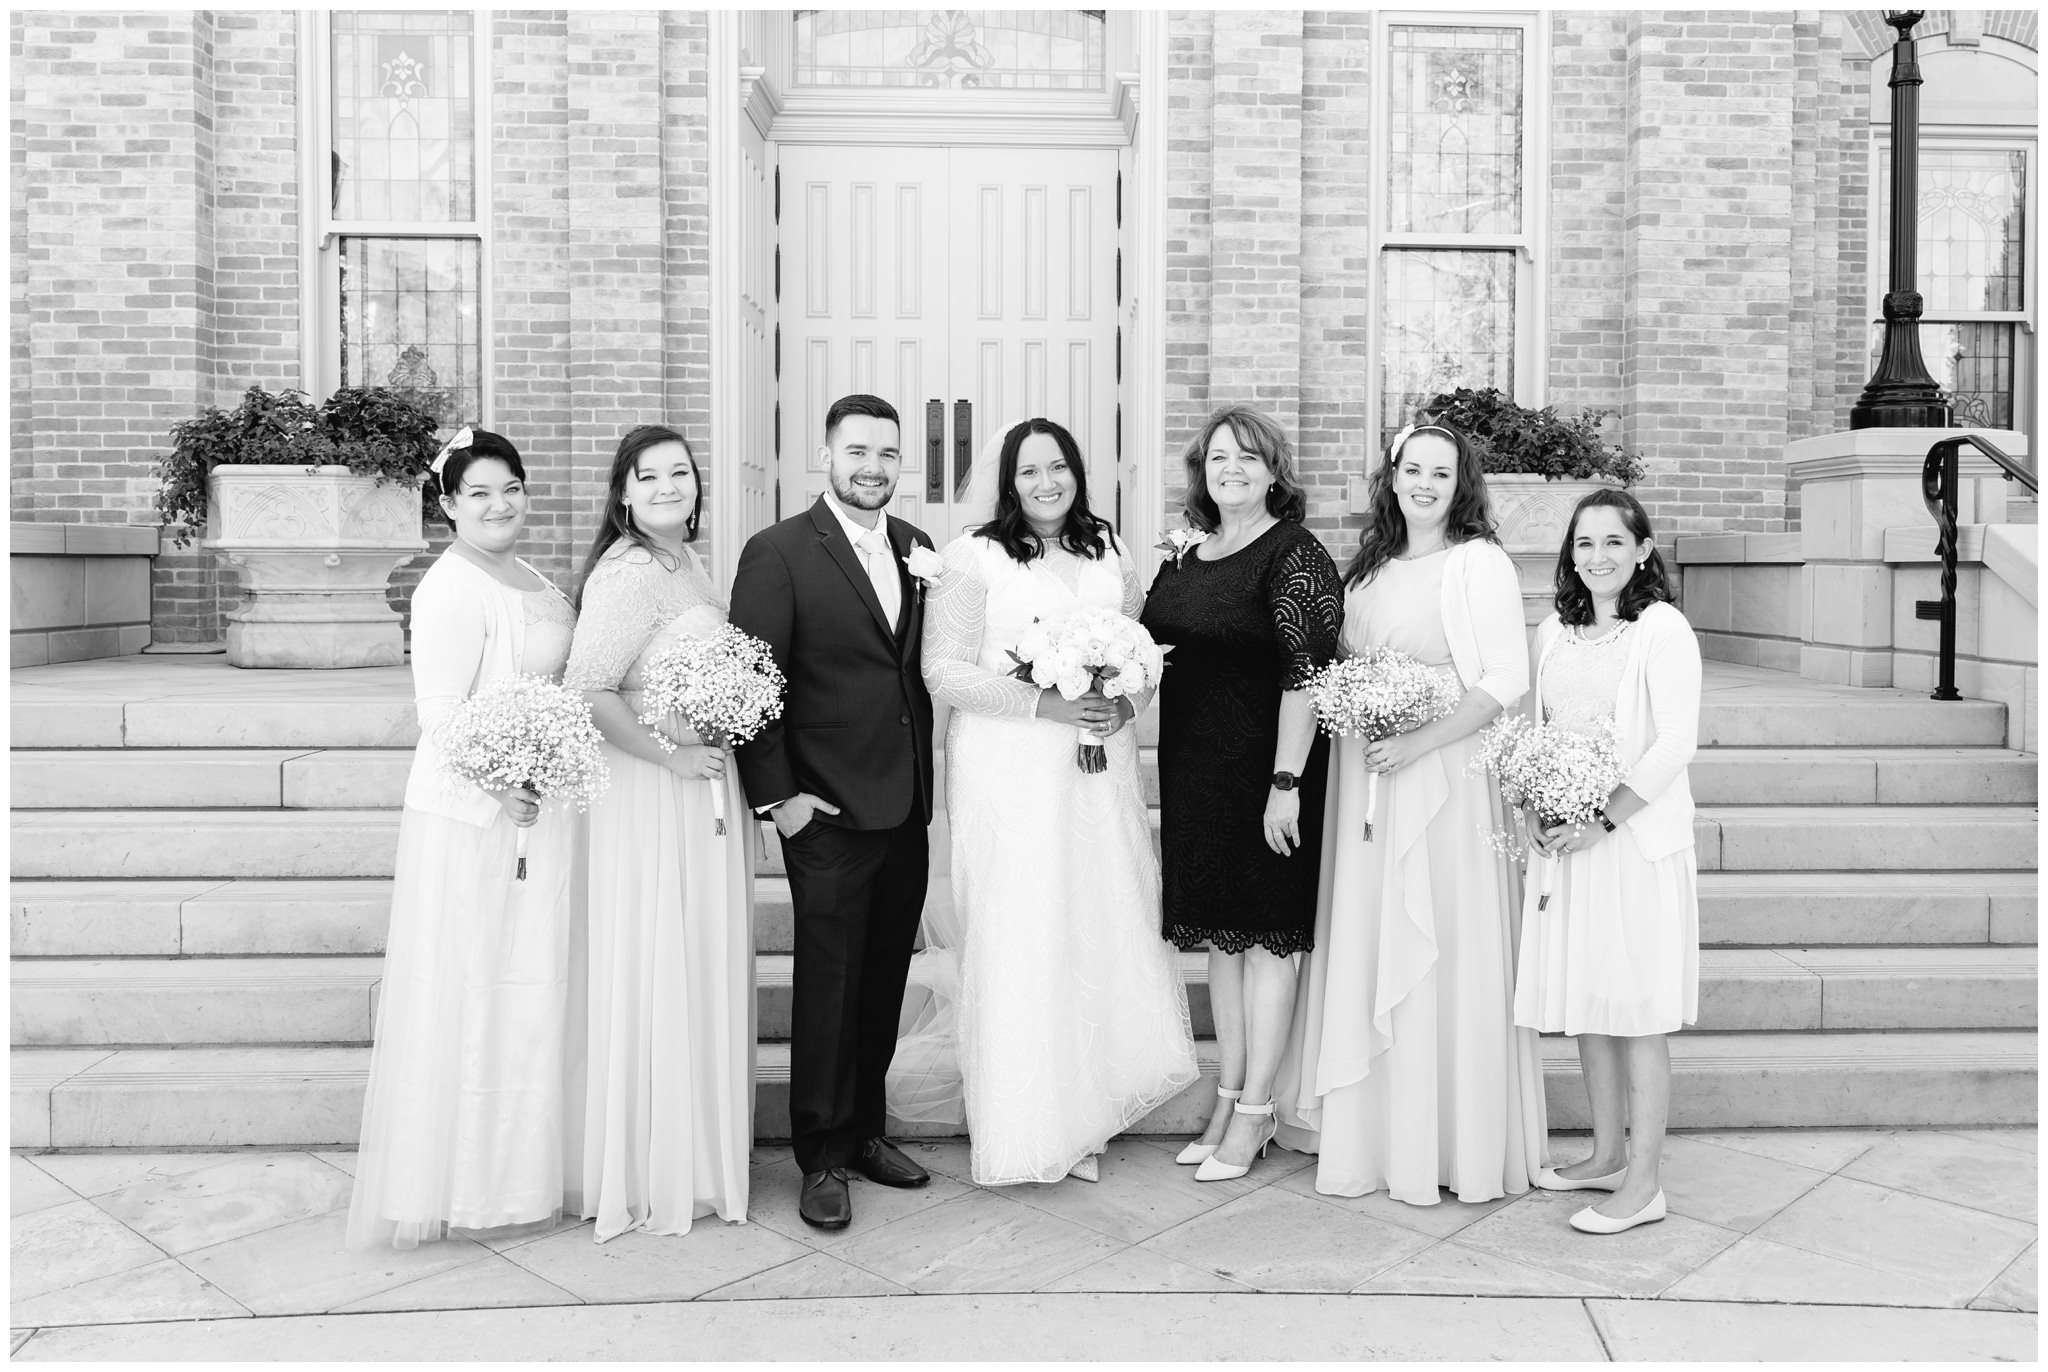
1049,50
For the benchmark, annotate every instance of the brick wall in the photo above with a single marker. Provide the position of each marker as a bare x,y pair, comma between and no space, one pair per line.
1588,155
1190,93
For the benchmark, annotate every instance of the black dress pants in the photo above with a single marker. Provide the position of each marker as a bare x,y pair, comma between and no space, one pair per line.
858,894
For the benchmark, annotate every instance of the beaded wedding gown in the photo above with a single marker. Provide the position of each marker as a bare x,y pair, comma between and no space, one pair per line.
1072,1021
661,1129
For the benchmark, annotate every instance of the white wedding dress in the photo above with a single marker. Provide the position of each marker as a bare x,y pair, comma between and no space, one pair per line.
1072,1020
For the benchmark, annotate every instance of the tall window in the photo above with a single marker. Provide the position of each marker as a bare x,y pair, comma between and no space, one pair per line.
402,228
1973,259
1458,211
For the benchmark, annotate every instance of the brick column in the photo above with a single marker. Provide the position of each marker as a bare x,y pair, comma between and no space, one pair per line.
1708,257
617,324
686,230
1190,92
1255,304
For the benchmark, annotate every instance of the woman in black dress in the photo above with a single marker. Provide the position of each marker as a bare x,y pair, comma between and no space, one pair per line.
1252,611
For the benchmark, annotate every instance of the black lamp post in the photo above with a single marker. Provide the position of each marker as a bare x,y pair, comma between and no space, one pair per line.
1900,394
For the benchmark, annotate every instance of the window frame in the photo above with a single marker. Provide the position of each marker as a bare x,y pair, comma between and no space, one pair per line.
321,232
1995,138
1528,246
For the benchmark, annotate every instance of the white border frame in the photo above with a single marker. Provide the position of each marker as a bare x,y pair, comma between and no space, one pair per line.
1530,246
319,281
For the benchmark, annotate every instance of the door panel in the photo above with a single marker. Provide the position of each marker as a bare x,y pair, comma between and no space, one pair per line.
865,301
971,287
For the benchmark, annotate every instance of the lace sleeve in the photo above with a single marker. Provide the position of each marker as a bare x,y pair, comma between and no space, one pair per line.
1307,601
954,614
621,608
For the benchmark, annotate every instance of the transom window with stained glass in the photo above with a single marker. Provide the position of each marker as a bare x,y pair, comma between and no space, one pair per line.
1455,239
403,240
1972,259
1046,50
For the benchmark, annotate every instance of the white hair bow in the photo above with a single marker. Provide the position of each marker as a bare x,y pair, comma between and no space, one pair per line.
464,436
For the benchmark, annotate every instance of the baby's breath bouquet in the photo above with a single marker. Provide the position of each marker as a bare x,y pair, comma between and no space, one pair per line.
1554,774
1093,648
1375,695
530,732
725,687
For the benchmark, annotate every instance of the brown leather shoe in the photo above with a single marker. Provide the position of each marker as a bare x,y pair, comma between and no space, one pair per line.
825,1202
882,1161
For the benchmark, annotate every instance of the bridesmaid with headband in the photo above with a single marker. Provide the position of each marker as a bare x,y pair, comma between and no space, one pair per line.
462,1124
1404,1069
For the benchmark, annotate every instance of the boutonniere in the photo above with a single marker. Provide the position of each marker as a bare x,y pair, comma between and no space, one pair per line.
1178,541
925,565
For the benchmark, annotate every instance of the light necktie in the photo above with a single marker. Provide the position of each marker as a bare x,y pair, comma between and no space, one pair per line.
874,557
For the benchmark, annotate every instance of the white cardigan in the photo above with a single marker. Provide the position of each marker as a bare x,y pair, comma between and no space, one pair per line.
468,628
1657,713
1482,610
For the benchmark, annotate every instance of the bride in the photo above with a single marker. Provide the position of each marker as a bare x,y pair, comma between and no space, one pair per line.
1072,1021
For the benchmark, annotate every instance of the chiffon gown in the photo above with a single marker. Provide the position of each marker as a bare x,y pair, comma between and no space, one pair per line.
462,1121
1404,1070
1073,1023
1618,949
665,1127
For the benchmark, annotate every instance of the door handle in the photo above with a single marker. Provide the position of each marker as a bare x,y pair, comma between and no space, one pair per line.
934,451
963,445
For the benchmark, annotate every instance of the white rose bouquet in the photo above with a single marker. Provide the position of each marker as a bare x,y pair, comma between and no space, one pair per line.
1093,648
1553,774
725,687
530,732
1375,695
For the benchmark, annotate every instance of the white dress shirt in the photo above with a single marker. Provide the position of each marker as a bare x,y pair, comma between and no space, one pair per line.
877,558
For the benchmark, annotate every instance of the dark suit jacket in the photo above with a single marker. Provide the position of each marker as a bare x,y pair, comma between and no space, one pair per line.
856,726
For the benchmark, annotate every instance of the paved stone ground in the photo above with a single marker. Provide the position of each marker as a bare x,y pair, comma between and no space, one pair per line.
1878,1244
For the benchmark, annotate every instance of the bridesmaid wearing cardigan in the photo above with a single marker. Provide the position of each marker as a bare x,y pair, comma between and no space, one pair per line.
1404,1069
1614,959
462,1126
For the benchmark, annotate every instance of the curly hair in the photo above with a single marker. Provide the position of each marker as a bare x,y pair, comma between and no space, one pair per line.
1386,528
1647,585
1257,433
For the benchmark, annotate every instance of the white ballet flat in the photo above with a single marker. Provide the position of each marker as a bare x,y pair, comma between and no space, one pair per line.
1086,1169
1591,1221
1548,1180
1199,1152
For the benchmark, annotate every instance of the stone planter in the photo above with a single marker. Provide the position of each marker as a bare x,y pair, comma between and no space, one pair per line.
1532,513
315,548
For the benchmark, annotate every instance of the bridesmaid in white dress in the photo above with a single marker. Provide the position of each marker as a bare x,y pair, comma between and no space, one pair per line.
666,1118
1614,959
1073,1023
1405,1070
462,1123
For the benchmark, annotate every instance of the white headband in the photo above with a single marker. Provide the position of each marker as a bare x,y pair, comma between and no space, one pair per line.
1394,449
462,439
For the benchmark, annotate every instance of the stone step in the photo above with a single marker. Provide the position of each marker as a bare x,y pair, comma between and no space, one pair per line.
312,1097
210,778
373,778
1866,838
66,1003
70,1004
86,844
1796,714
1863,776
206,917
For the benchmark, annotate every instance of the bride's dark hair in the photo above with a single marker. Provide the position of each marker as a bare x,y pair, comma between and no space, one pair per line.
1084,532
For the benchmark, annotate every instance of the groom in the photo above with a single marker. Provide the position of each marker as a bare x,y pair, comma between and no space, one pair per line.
846,774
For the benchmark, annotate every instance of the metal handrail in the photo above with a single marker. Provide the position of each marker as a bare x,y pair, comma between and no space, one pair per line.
1940,478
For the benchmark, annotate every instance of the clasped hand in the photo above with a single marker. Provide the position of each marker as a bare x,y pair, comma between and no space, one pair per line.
521,803
1562,840
1094,712
1392,753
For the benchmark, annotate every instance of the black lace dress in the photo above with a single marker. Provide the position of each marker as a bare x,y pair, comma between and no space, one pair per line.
1243,628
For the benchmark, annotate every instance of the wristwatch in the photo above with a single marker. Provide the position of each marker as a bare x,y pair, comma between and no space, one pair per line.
1605,822
1284,781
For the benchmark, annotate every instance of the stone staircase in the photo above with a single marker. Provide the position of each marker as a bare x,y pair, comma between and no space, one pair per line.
201,863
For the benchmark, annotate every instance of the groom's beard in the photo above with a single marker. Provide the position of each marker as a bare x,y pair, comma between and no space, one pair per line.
861,497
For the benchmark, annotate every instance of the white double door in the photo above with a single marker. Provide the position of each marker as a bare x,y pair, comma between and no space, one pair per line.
970,287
